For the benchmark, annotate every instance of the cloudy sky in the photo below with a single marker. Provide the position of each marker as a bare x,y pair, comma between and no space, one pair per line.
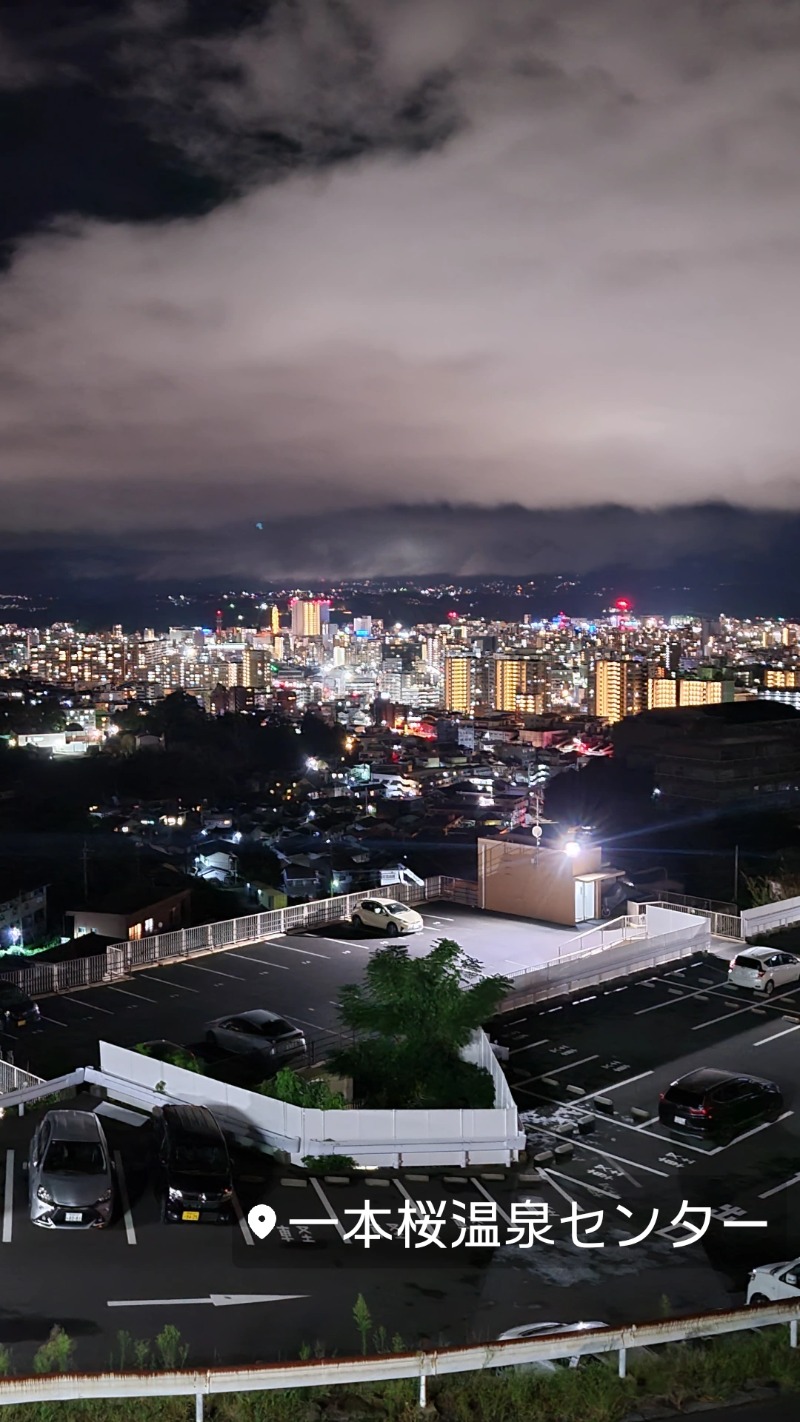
404,281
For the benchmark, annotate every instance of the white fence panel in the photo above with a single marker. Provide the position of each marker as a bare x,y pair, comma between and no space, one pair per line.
766,917
390,1138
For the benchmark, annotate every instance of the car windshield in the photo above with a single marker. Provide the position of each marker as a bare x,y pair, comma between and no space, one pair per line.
196,1157
685,1096
396,908
75,1158
12,997
278,1028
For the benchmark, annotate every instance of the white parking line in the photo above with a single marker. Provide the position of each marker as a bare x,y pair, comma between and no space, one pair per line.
8,1198
126,1204
215,972
261,961
765,1126
723,1017
243,1225
304,952
671,1001
128,993
582,1185
481,1189
166,982
776,1035
55,1020
91,1006
653,1135
556,1070
595,1150
776,1189
645,1124
529,1046
438,918
330,1211
554,1186
615,1086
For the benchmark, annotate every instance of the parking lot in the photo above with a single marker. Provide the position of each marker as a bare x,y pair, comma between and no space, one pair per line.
587,1065
297,975
235,1298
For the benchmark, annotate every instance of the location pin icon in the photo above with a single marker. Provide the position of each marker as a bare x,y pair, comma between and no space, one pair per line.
262,1220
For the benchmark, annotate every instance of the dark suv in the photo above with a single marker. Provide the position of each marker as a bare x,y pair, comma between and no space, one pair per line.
16,1008
713,1102
195,1181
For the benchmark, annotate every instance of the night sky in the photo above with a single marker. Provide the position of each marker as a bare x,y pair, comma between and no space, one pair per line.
418,285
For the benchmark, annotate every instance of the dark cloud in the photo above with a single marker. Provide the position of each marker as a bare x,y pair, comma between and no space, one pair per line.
402,540
521,256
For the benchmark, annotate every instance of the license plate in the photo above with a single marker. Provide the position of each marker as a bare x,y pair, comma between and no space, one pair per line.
21,1023
680,1120
190,1215
73,1219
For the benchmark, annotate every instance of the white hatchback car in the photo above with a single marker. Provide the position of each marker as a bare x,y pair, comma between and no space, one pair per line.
534,1331
388,915
764,969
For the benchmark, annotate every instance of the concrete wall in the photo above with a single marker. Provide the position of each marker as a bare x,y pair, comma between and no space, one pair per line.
377,1138
520,880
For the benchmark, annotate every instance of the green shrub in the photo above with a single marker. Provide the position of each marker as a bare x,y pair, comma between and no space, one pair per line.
55,1355
328,1164
317,1094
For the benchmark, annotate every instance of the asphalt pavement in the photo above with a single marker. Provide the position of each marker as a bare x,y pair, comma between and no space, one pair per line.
237,1299
297,975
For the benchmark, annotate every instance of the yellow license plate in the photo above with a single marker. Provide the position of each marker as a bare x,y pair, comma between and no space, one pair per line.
190,1215
21,1023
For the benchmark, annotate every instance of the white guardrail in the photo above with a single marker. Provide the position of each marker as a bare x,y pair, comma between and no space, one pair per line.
122,959
767,917
335,1372
668,938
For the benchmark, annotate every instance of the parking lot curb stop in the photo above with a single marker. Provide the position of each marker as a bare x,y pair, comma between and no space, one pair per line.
639,1114
604,1104
337,1179
543,1157
575,1090
294,1183
563,1152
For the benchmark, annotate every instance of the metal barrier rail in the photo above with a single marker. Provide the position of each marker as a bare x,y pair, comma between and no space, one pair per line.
548,981
327,1372
722,925
122,959
13,1078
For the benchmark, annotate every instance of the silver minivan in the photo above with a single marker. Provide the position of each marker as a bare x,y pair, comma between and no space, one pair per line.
70,1180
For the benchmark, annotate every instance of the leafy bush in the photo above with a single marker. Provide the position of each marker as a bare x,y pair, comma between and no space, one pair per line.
328,1164
55,1355
179,1057
288,1086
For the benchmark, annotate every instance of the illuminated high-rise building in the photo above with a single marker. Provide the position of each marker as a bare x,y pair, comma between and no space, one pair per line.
459,683
520,684
306,618
619,689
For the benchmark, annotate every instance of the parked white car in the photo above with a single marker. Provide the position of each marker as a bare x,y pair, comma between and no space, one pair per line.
388,915
772,1282
528,1332
764,969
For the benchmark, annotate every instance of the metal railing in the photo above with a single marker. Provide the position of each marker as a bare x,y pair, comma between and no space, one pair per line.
334,1372
13,1078
122,959
722,925
593,968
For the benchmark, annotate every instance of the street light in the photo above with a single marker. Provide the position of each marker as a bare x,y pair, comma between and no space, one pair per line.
572,848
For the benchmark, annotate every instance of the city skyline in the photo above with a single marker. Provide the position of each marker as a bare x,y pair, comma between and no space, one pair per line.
396,288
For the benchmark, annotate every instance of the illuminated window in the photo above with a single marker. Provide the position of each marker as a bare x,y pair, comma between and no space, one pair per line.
135,930
148,925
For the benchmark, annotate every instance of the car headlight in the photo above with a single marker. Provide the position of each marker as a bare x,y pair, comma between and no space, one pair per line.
45,1195
175,1194
105,1197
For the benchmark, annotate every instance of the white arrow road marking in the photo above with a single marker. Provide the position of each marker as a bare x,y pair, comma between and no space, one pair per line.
217,1300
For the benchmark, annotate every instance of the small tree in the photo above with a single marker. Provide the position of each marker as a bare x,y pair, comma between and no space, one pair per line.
413,1016
55,1355
363,1320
